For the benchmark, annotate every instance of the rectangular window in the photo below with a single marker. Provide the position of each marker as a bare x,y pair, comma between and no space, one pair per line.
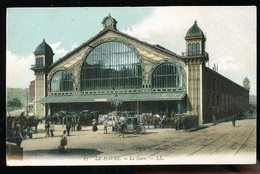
213,100
207,99
208,82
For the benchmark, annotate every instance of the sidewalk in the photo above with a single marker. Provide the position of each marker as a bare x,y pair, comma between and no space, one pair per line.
200,127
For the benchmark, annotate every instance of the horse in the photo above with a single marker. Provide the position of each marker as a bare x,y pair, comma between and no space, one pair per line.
151,120
155,120
109,123
167,122
118,125
146,119
21,126
28,122
32,121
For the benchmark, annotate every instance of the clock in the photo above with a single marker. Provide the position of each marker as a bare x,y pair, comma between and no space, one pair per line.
108,22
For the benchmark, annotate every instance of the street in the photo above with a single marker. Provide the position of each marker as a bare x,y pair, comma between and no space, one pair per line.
221,143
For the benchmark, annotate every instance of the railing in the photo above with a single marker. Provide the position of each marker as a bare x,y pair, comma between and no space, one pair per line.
191,54
37,66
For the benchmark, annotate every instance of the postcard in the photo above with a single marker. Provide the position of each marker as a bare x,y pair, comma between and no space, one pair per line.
95,86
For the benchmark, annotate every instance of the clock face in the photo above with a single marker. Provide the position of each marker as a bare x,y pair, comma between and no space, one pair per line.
108,22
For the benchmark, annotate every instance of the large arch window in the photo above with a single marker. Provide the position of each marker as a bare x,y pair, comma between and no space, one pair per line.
61,82
166,76
193,49
111,65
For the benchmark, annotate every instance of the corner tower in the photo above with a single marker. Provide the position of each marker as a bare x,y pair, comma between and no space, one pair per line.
43,59
195,41
246,83
195,58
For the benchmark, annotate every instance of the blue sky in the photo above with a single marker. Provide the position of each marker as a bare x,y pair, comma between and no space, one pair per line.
230,32
68,25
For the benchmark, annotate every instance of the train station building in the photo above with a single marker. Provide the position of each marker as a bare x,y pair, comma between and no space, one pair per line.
146,78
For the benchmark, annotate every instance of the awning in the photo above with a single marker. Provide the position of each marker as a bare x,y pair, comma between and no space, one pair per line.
158,96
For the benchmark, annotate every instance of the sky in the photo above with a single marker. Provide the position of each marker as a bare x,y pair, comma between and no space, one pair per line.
230,33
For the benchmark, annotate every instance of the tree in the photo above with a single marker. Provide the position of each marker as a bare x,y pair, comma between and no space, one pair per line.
14,102
252,108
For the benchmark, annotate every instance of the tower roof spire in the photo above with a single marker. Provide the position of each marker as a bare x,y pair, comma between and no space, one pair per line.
43,48
195,31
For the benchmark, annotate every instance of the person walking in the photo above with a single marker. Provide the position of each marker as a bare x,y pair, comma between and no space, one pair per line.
52,128
68,125
94,125
47,128
234,121
63,121
214,120
63,142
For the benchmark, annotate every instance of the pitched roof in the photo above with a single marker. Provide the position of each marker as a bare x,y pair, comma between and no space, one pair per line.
246,80
156,47
43,48
156,96
221,76
195,31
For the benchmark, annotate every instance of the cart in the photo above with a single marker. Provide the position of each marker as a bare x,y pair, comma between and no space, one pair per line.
133,125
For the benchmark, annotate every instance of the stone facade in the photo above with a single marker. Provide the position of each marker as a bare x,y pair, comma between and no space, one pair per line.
150,58
32,91
222,97
40,93
207,92
43,59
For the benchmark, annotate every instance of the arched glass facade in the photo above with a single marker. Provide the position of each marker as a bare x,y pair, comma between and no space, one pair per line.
111,65
166,76
62,82
194,49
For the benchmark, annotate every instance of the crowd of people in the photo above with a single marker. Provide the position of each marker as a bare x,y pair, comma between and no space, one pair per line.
50,128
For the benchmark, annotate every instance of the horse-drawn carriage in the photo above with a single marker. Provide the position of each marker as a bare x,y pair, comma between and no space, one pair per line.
75,119
149,119
85,118
125,122
133,125
20,127
177,121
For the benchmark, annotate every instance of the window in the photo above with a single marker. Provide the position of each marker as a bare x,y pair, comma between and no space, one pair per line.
61,81
194,49
111,65
166,76
39,61
208,82
226,88
197,48
207,99
213,99
217,99
189,49
213,83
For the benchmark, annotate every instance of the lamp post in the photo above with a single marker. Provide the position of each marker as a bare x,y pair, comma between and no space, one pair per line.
116,102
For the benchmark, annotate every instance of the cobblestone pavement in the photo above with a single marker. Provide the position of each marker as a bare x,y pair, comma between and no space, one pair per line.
154,145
